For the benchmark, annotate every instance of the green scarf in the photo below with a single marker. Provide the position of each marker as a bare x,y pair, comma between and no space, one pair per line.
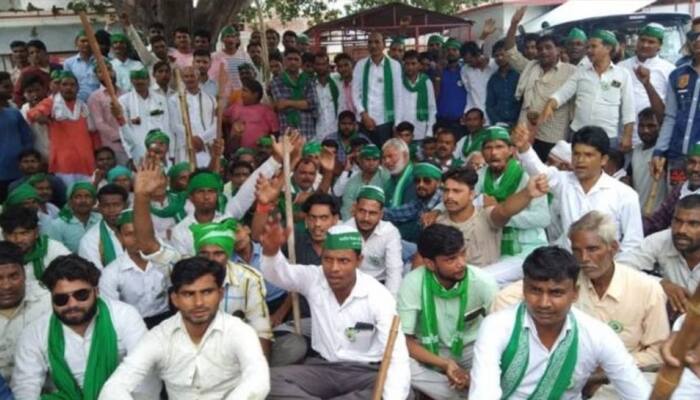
421,87
400,187
428,318
473,142
175,208
388,89
107,251
560,367
297,88
102,359
36,256
508,184
335,93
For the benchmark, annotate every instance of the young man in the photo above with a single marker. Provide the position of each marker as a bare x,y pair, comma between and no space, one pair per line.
352,313
587,187
82,67
376,88
345,135
201,61
202,40
79,344
76,218
441,306
397,49
328,95
30,164
163,83
543,348
344,66
469,146
17,136
250,120
294,97
232,55
34,91
370,173
451,97
100,107
100,244
427,177
20,58
445,149
18,307
417,97
475,74
157,49
120,61
189,360
501,104
182,53
576,43
648,127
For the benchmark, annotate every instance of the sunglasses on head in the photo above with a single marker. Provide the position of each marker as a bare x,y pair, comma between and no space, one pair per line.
61,299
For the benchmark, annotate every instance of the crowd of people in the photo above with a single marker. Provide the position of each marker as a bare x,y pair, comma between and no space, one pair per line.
529,209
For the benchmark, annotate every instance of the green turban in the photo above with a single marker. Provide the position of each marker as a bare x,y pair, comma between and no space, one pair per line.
156,135
435,39
89,187
370,151
118,37
125,217
64,74
495,133
229,31
204,180
139,74
371,192
21,193
654,30
694,150
605,36
427,170
178,169
311,149
221,234
576,34
343,237
452,44
116,172
265,141
36,178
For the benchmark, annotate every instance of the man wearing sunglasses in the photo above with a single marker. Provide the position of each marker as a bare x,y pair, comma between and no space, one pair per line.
81,343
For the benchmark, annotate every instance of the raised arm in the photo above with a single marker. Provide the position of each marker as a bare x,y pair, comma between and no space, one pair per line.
149,179
536,187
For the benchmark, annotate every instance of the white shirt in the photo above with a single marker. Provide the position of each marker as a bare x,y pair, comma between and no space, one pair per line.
89,247
381,254
32,307
146,289
475,81
327,121
409,100
369,303
53,250
182,239
689,385
606,101
228,363
608,196
31,357
123,70
659,70
152,113
598,345
40,133
202,111
375,95
642,179
245,197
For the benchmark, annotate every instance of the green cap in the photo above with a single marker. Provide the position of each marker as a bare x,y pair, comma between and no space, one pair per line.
312,148
36,178
156,135
65,74
370,151
55,74
118,37
125,217
178,169
302,39
605,36
243,151
654,30
496,133
576,34
80,33
204,180
427,170
343,237
265,141
398,40
138,74
116,172
221,234
21,193
435,39
229,31
371,192
694,150
452,43
84,185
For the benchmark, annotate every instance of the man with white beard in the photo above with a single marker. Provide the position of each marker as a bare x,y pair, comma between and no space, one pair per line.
400,189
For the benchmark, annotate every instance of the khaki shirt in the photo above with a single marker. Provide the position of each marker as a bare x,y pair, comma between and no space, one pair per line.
634,306
33,306
482,239
535,87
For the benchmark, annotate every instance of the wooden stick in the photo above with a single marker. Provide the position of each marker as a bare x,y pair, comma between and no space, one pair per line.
263,44
386,359
686,339
185,111
99,59
220,100
287,171
649,204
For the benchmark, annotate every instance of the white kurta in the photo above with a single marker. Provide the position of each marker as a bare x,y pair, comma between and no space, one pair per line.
182,239
409,100
40,133
54,249
202,110
327,122
475,81
89,247
152,113
375,95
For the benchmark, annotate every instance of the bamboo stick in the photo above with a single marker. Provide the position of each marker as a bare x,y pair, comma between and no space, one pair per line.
184,110
286,146
386,359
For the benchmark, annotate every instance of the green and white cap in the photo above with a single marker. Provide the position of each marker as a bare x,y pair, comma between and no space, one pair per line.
371,192
343,237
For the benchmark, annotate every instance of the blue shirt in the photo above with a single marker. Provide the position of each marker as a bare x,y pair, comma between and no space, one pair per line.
5,392
501,104
84,72
342,152
453,96
273,292
16,136
681,127
70,232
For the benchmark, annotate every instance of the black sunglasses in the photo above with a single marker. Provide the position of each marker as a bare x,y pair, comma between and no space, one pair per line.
61,299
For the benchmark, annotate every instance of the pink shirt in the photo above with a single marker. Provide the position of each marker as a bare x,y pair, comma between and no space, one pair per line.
182,60
106,125
259,119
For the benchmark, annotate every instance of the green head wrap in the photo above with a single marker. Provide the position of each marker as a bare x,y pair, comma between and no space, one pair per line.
427,170
204,180
89,187
116,172
370,151
36,178
118,37
576,34
55,74
229,31
435,39
21,193
311,149
343,237
178,168
495,133
221,234
139,74
125,217
243,151
156,135
302,39
452,43
63,74
265,141
694,150
398,40
654,30
371,192
605,36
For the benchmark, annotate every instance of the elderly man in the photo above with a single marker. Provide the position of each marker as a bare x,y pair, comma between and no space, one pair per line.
401,188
